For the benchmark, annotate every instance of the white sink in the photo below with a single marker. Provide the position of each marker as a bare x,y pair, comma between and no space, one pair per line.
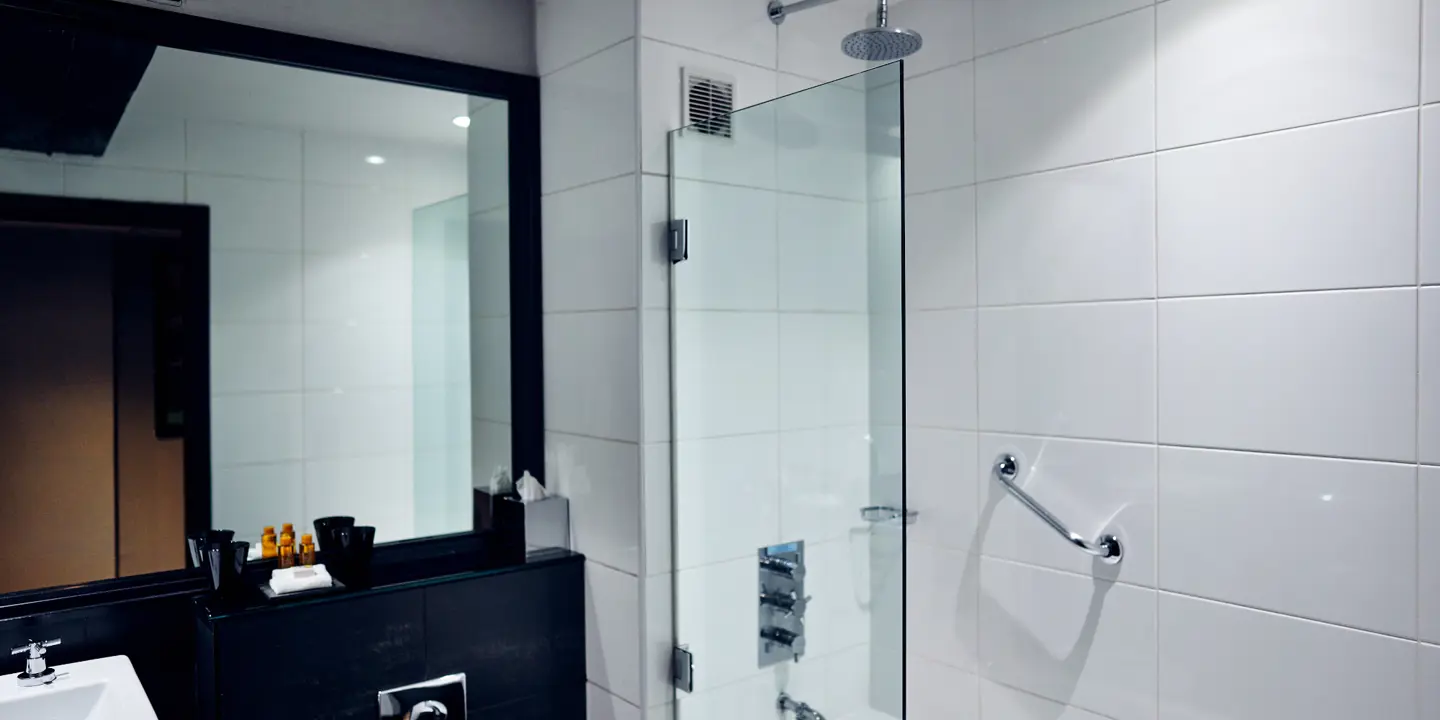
104,689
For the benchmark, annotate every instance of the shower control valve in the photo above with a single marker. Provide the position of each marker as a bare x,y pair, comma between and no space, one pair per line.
780,636
783,567
789,602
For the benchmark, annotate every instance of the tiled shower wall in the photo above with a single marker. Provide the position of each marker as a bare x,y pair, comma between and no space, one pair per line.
1176,257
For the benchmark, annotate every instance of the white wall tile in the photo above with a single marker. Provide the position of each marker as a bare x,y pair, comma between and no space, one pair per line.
85,181
1263,373
1235,67
840,575
346,423
750,698
255,428
734,253
1097,487
1216,504
141,142
1085,233
436,173
726,373
654,242
824,481
727,493
655,375
587,117
1429,449
247,214
1085,642
747,158
940,369
942,596
1211,655
355,355
602,480
706,619
1430,46
246,498
941,486
658,646
354,219
612,631
377,490
600,704
947,27
821,142
254,287
569,30
1429,545
589,251
940,117
1011,22
936,692
824,370
1429,681
592,374
342,159
731,30
374,285
657,494
823,263
940,254
1079,97
1344,215
810,40
34,177
1005,703
219,148
1073,370
255,357
1430,189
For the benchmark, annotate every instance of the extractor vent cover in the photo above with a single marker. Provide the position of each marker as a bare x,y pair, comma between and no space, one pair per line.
708,99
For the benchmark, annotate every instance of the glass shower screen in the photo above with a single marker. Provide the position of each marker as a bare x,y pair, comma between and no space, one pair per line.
788,336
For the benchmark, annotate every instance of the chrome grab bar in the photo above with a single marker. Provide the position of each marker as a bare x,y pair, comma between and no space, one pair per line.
1106,547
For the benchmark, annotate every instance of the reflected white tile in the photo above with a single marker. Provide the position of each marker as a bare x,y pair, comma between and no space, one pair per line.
591,241
734,250
840,576
937,692
437,173
355,220
602,480
351,423
346,355
490,368
490,451
373,286
587,116
940,257
1005,703
708,619
941,486
746,158
83,181
221,148
1011,22
1362,577
940,369
726,492
1212,653
1429,547
592,378
824,370
150,143
1261,373
824,481
248,214
490,263
942,596
823,262
730,30
255,428
377,490
940,117
34,177
333,158
1430,375
1085,233
488,157
1031,116
255,357
1224,229
250,497
612,631
1235,67
1074,370
254,287
1081,641
947,27
726,373
1096,487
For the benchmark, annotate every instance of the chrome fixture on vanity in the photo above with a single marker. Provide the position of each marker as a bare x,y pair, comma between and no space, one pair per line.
1106,547
782,603
35,671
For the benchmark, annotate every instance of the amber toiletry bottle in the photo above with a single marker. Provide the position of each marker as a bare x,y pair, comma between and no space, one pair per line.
287,556
307,550
267,542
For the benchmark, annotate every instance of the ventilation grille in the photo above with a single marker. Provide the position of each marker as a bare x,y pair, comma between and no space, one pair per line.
709,100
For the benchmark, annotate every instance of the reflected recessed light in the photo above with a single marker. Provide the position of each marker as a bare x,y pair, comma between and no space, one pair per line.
375,160
461,121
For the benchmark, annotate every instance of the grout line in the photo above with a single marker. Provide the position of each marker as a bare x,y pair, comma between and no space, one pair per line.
573,63
1155,376
585,184
775,190
1419,193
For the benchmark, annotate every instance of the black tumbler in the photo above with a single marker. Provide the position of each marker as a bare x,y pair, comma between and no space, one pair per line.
326,529
227,564
357,548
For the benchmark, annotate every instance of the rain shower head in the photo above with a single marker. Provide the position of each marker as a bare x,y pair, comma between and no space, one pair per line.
880,43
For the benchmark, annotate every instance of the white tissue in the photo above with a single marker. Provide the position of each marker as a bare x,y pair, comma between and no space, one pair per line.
529,488
299,579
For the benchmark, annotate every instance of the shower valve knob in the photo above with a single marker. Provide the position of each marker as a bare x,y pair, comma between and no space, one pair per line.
789,603
783,567
789,639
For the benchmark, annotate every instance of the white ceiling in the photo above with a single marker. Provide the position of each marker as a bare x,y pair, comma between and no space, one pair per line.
182,84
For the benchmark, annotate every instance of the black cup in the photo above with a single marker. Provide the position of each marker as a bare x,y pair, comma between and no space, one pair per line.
326,529
357,548
226,565
199,545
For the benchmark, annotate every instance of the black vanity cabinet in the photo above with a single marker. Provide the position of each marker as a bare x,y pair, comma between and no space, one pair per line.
517,633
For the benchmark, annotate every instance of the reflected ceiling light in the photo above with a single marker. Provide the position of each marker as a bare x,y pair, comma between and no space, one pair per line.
375,160
461,121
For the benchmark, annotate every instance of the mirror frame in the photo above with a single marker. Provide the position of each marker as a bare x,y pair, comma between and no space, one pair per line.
169,28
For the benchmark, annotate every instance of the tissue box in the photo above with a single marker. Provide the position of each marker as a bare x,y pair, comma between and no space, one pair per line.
547,523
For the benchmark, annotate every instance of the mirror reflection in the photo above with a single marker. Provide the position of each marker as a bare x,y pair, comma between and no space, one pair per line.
355,308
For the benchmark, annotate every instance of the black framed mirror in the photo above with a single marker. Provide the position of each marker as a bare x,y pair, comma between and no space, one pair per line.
320,296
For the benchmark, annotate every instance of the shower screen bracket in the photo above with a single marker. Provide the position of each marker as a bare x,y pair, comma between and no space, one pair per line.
679,241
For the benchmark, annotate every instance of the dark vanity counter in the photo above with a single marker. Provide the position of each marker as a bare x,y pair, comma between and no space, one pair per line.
517,632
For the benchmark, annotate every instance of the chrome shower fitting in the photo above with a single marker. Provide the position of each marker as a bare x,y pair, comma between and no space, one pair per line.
801,710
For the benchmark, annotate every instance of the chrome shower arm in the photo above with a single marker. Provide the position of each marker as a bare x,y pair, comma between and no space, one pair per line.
777,10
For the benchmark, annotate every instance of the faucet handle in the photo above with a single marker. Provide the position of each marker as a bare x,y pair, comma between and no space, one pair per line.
34,648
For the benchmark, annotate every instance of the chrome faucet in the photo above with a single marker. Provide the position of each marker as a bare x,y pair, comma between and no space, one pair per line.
35,671
801,710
